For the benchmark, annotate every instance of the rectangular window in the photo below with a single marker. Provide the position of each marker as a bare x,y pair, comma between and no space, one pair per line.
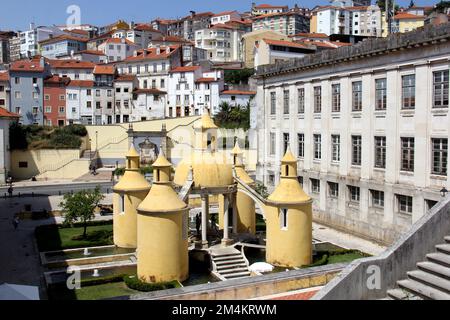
272,143
285,142
336,98
356,150
336,148
301,145
317,147
440,156
380,152
405,204
46,97
380,94
440,86
377,198
409,92
407,154
284,219
273,103
333,189
357,96
23,164
354,193
317,99
315,186
286,102
301,101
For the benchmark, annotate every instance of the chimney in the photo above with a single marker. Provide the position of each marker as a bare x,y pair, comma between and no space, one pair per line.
158,50
72,54
167,50
135,53
192,14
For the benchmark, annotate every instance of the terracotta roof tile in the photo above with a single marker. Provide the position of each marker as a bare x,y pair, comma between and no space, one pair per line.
6,114
269,6
63,38
185,69
125,78
71,64
205,80
282,43
151,54
4,76
119,41
105,69
57,80
310,35
81,83
405,15
27,66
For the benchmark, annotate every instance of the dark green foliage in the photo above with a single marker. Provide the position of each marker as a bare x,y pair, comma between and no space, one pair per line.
261,189
442,6
144,171
233,117
39,137
133,282
238,76
102,280
119,172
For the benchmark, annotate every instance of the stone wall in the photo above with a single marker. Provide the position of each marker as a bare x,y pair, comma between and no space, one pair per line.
393,264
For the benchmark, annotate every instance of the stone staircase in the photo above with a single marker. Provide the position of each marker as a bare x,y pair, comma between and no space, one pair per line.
431,280
229,264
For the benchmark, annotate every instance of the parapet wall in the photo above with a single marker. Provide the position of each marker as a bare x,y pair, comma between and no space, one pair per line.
355,282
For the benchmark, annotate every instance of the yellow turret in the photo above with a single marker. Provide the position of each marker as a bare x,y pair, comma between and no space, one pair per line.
129,192
289,220
245,206
163,230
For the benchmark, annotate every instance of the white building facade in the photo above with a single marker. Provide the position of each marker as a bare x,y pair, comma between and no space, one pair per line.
371,134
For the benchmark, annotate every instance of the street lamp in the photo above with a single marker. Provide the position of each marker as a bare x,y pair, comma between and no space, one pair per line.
444,192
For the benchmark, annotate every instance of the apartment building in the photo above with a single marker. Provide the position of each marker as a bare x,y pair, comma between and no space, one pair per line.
371,136
5,91
221,41
237,97
138,34
55,101
5,38
191,89
117,49
104,94
14,48
263,9
124,87
187,26
27,87
73,69
288,23
80,102
64,45
151,66
224,17
30,39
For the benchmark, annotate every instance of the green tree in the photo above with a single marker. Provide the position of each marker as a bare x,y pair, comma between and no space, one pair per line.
233,117
80,207
262,190
442,6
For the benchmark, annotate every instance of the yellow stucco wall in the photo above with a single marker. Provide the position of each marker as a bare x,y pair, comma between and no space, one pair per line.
125,223
57,164
291,247
407,25
162,251
313,24
245,214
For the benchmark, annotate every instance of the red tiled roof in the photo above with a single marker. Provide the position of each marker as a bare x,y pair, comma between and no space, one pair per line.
62,38
149,91
81,83
238,93
205,80
57,80
125,78
78,31
150,54
105,69
145,27
71,64
285,44
269,6
310,35
92,52
225,13
170,39
6,114
185,69
4,76
119,41
27,65
408,16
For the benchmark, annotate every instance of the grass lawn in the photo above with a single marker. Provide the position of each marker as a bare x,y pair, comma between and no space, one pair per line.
346,257
98,292
53,238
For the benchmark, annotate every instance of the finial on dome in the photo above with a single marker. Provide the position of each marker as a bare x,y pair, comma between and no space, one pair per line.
132,153
237,149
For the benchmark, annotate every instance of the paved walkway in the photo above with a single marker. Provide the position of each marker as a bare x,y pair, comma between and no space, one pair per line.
346,240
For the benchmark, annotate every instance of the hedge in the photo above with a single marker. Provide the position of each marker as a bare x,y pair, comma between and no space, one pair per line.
134,283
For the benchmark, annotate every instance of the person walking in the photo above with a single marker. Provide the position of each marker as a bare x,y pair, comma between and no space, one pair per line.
198,223
16,222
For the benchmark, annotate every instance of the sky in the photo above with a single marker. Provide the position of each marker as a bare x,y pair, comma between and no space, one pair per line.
17,15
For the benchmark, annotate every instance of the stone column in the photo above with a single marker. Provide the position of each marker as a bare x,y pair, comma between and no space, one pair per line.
205,216
226,220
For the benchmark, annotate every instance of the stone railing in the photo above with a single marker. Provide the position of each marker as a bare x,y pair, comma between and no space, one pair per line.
396,41
370,278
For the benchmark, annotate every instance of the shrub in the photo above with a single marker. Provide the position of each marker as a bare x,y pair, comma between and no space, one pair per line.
146,170
76,129
134,283
119,172
102,280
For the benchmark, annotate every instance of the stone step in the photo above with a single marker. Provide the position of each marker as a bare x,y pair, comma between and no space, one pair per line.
237,275
222,258
227,272
430,280
422,290
447,239
399,294
231,266
234,261
443,248
439,258
435,269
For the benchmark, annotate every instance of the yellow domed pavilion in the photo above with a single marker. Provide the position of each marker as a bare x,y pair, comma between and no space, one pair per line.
129,192
289,220
163,253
